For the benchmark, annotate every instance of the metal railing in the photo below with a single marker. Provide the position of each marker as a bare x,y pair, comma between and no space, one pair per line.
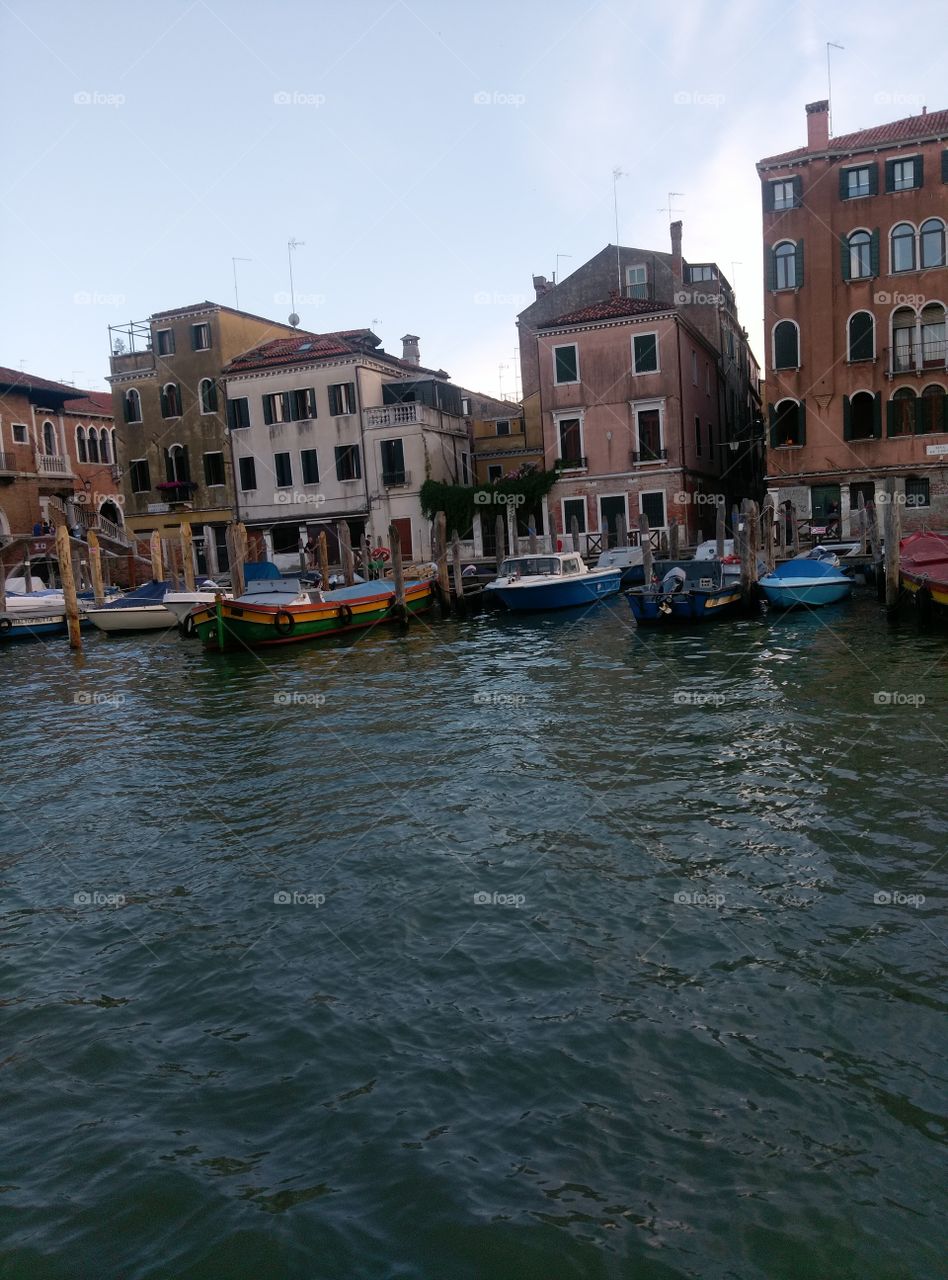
649,455
7,462
571,464
396,479
917,357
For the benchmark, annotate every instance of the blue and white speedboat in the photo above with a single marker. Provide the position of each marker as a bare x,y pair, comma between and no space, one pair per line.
685,591
805,582
558,581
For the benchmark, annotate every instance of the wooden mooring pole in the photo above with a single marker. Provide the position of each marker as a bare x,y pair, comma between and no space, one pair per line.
95,566
441,559
66,577
768,532
345,552
674,541
187,555
154,548
749,553
324,560
892,536
574,532
399,608
720,520
499,526
458,575
863,525
646,544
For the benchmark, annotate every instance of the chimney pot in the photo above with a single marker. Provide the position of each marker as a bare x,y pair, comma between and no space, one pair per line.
817,125
541,285
410,352
675,230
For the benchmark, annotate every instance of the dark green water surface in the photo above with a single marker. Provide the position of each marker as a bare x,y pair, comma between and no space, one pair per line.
515,949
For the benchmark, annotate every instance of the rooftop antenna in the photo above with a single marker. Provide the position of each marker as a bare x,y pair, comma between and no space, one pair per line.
829,85
672,195
735,263
516,369
292,244
616,175
500,380
234,262
556,273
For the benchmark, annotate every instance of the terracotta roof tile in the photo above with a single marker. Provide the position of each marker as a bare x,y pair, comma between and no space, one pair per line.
93,402
302,347
907,130
608,309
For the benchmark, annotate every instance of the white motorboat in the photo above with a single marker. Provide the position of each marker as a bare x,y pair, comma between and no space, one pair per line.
183,603
141,610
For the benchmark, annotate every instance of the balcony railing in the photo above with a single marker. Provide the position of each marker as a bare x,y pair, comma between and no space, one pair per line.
52,464
649,455
396,415
7,462
571,464
917,357
643,290
396,479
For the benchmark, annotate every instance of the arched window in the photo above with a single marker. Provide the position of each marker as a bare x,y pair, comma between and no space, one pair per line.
903,340
207,389
862,414
785,265
176,464
787,425
49,439
104,446
81,445
933,335
902,412
93,445
861,336
903,247
133,406
860,255
114,448
786,345
931,410
109,511
170,400
931,239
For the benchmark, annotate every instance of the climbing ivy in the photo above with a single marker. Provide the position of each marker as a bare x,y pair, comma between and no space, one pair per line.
459,502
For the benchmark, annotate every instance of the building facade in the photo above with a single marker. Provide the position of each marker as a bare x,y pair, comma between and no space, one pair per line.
501,441
327,428
169,406
855,292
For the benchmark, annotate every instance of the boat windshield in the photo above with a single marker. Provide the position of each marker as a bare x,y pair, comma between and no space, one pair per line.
529,566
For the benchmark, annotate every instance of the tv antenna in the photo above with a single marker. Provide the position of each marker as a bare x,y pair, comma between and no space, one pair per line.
292,244
233,263
672,195
830,44
556,273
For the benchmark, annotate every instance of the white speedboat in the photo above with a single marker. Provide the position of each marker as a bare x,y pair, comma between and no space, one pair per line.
141,610
558,581
183,603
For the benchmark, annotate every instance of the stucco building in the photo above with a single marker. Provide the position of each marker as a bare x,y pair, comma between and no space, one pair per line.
854,298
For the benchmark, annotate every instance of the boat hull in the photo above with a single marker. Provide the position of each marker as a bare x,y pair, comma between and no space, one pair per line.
806,595
576,593
684,606
118,621
24,626
245,625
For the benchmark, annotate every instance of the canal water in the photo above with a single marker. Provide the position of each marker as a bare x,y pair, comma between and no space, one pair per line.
505,949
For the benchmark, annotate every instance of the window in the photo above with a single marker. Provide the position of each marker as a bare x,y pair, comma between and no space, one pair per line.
248,473
302,404
342,398
652,505
861,336
570,434
207,394
933,335
824,502
276,408
81,445
566,364
787,265
698,437
786,345
860,417
648,429
854,183
19,433
104,446
694,366
93,445
283,470
238,413
348,462
114,449
784,195
200,337
865,487
170,400
903,340
177,468
133,406
503,428
931,410
310,466
574,509
393,462
636,282
903,175
494,474
903,247
705,271
787,425
645,353
213,470
49,438
165,341
917,492
139,476
902,413
857,259
932,243
466,406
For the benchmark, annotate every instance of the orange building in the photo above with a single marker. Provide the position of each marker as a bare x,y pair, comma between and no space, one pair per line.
855,291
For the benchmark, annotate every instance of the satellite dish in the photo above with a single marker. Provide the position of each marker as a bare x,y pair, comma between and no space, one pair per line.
294,319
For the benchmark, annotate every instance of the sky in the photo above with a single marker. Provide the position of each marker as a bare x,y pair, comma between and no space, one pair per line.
428,156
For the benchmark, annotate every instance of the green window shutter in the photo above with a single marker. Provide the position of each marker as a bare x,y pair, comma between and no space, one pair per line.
768,194
890,418
797,192
919,171
799,264
890,175
843,184
877,417
844,255
802,421
874,253
847,419
772,419
873,179
770,268
169,467
944,166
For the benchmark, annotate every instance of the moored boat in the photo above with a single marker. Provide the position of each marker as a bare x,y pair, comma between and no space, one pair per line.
183,603
628,560
685,591
557,581
32,618
805,581
141,610
281,611
923,571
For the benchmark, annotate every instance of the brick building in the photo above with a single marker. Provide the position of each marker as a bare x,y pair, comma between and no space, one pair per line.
854,299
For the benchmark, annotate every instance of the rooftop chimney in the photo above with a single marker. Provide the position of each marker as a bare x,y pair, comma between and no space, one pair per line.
675,230
541,285
410,352
817,125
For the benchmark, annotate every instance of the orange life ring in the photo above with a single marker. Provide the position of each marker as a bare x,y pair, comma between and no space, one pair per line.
381,553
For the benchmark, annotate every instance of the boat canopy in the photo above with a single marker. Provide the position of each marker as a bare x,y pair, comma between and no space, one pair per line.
147,593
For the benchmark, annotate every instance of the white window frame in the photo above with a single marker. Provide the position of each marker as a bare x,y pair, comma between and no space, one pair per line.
903,271
494,466
220,454
573,382
647,333
631,283
862,311
562,414
276,481
13,430
81,445
795,284
131,464
129,391
567,531
159,333
201,324
773,345
624,493
910,161
204,413
783,182
309,484
643,493
641,406
858,168
239,478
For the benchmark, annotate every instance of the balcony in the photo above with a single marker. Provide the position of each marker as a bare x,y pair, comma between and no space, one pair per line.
401,415
52,464
643,290
927,356
396,479
7,462
649,455
571,464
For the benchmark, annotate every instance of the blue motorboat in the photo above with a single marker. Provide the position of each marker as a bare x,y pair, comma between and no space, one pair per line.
557,581
685,591
809,582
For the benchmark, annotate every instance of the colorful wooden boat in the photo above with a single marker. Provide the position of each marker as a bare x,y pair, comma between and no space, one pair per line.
923,572
805,581
685,591
558,581
280,611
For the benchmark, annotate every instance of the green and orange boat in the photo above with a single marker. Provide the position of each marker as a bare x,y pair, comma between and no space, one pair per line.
282,611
